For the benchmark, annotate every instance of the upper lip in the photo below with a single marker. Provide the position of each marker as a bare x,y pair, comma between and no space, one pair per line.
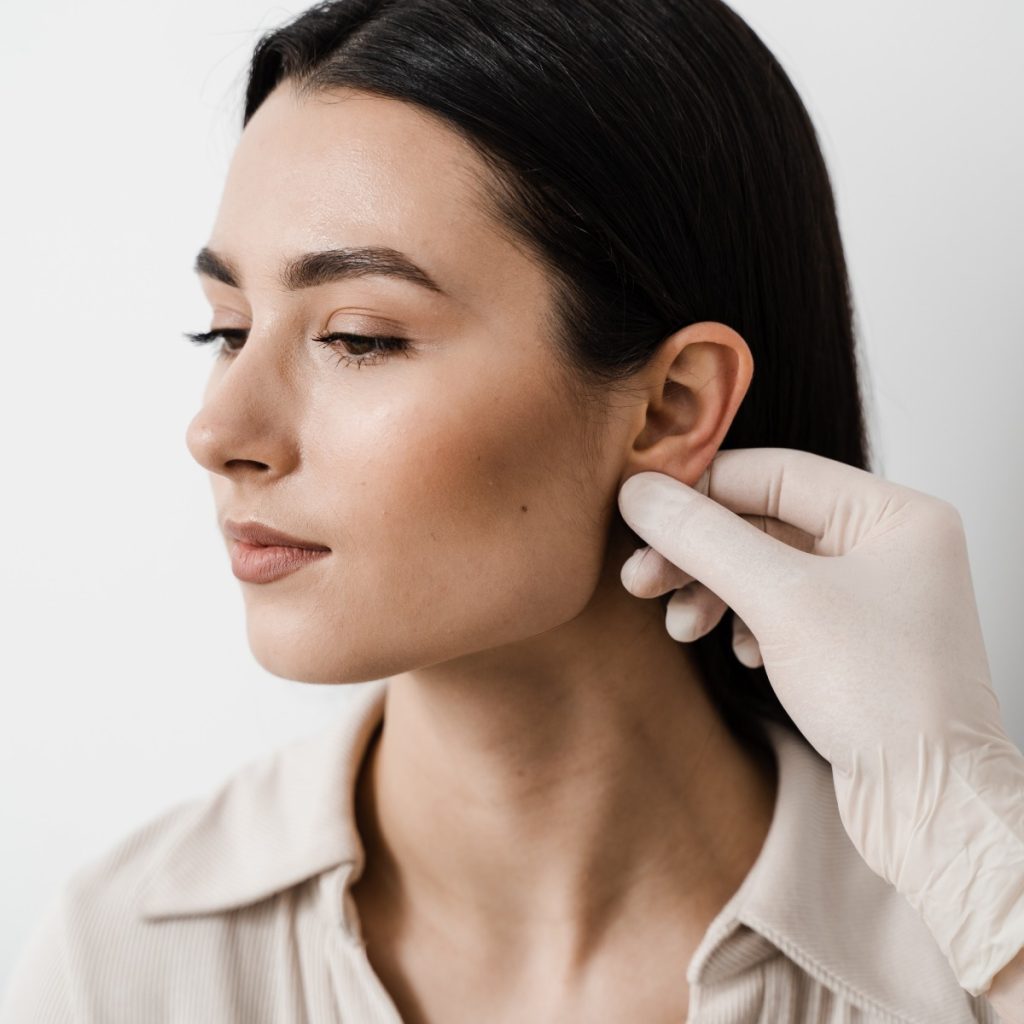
253,532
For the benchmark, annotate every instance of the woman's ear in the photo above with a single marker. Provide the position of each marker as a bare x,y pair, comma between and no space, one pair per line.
695,384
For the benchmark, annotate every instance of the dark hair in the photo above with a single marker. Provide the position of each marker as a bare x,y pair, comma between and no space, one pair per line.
657,160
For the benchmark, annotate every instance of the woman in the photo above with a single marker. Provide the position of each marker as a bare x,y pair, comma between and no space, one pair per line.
475,265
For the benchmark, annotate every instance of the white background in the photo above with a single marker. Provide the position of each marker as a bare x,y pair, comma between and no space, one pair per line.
127,680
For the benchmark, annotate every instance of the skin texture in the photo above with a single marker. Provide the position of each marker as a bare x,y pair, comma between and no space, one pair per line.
552,812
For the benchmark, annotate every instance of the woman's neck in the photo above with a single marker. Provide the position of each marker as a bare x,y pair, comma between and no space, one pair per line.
561,795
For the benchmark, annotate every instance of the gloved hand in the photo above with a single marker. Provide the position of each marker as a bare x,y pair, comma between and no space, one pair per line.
859,594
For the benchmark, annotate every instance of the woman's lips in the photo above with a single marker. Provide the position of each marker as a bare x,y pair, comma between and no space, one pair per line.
256,563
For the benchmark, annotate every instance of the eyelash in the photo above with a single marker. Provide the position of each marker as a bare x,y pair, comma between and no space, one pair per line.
386,344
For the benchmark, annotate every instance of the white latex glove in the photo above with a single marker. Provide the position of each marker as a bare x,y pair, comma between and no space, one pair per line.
876,653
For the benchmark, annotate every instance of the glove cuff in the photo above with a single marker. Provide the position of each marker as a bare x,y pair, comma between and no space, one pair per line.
947,830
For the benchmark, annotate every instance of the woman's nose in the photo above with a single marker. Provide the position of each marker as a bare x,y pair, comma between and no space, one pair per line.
245,423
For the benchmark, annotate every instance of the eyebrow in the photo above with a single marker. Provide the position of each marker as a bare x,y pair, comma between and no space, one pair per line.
316,268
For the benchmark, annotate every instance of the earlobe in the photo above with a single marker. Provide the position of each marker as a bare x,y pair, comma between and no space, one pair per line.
699,377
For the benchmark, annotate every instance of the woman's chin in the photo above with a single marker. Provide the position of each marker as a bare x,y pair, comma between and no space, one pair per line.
304,657
299,667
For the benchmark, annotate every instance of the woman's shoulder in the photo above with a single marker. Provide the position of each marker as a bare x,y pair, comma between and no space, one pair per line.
156,909
195,849
89,916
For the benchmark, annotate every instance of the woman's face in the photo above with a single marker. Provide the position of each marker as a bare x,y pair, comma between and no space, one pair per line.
448,480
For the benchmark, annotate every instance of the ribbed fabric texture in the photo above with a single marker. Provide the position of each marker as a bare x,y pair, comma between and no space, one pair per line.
235,909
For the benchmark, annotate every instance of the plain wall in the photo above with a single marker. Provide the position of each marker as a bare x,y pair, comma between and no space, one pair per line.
127,681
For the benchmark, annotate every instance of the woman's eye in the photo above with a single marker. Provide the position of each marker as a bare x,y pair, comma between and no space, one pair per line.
380,346
370,348
227,333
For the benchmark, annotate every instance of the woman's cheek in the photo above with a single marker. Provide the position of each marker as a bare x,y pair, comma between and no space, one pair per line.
461,510
481,540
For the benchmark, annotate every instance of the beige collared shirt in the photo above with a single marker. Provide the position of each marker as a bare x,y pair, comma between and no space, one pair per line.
235,907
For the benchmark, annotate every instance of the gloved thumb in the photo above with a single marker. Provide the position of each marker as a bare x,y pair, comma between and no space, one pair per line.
729,555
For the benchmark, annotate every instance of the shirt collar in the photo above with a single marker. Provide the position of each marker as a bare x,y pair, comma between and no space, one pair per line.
810,894
273,823
288,816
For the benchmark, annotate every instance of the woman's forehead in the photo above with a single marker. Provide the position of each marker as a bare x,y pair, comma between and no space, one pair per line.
348,169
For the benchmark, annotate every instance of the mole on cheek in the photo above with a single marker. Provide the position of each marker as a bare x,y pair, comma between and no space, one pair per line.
523,507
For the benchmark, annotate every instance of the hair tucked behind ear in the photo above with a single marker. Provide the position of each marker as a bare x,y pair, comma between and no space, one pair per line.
655,157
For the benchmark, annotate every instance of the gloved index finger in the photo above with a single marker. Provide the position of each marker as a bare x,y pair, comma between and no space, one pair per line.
737,561
808,491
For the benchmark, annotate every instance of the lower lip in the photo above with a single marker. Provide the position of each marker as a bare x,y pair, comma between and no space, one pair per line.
254,563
